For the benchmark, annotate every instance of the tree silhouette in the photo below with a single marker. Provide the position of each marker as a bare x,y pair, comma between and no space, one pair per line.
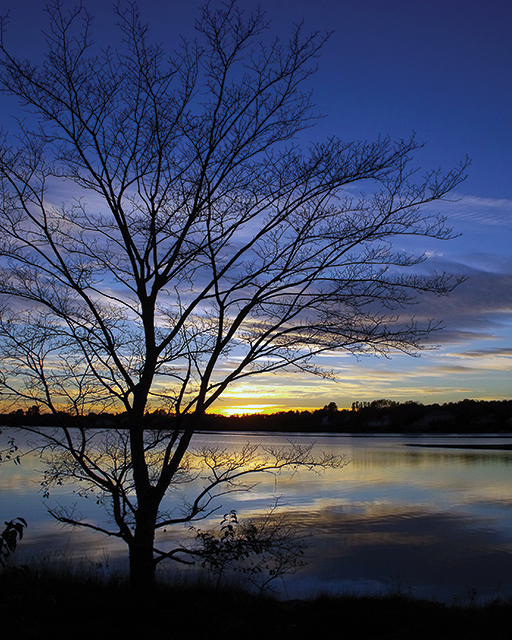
201,245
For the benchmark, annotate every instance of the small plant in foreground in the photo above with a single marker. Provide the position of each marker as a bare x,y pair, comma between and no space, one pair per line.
13,531
263,551
10,536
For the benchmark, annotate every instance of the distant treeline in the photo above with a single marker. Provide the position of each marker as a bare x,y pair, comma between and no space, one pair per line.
378,416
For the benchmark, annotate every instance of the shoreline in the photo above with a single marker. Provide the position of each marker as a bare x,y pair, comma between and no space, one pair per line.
31,604
476,447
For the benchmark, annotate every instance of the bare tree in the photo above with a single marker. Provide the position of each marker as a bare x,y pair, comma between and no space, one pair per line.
99,464
202,245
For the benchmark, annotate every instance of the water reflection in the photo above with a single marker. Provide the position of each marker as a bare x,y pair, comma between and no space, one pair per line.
431,520
435,555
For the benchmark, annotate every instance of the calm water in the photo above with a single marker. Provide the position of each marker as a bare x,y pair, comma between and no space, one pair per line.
431,521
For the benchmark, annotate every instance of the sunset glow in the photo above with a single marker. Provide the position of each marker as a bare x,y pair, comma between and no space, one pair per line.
247,409
389,69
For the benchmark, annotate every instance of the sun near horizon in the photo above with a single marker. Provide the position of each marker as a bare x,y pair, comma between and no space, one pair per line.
251,409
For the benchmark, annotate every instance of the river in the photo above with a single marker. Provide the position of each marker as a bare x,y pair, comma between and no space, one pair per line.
425,516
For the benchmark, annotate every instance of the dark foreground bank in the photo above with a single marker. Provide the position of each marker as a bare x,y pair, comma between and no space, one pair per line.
38,606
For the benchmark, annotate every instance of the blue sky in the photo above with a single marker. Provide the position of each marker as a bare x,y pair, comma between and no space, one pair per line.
442,69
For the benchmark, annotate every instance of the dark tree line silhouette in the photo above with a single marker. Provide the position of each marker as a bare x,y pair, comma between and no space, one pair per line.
381,416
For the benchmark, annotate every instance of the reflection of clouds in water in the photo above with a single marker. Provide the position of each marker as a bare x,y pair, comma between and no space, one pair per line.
52,544
430,515
435,554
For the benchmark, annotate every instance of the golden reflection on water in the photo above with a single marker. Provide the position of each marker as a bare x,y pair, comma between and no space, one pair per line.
439,516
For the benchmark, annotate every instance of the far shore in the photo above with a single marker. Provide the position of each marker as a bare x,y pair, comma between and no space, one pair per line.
379,417
478,447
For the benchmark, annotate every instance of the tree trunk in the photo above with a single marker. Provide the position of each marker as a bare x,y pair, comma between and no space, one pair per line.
142,562
142,565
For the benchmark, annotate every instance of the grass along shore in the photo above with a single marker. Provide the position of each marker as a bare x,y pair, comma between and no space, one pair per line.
38,603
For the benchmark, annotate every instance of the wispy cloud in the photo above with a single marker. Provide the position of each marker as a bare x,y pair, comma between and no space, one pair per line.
479,308
493,352
495,211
